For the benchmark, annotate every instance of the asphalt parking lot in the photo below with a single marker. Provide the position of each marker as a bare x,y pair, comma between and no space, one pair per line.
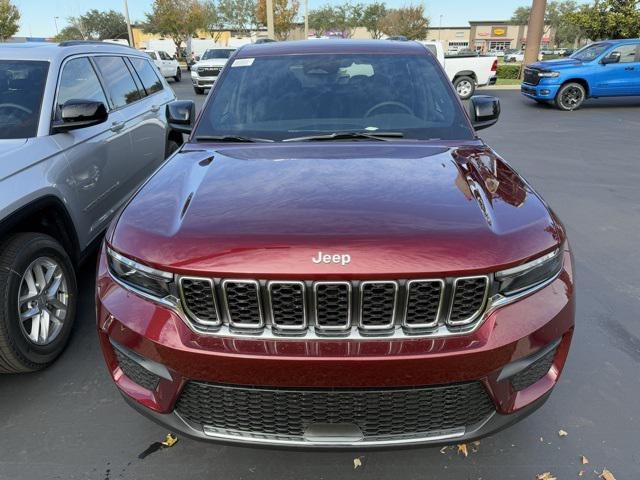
69,422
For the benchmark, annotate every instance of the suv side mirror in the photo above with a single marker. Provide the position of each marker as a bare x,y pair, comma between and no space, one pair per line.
613,57
181,115
484,111
80,114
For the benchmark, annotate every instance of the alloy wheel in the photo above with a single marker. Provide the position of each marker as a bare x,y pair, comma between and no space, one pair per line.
43,301
572,97
464,88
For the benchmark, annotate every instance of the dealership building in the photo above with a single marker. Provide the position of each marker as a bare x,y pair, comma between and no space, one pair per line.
484,36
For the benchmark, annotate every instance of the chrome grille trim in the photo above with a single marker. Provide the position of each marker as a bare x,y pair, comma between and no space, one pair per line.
266,328
274,320
332,328
240,325
438,316
470,319
389,324
201,321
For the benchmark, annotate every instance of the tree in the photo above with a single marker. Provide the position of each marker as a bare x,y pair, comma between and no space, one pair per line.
348,16
215,21
284,14
557,16
372,18
100,25
177,19
71,32
9,19
521,16
322,20
409,21
239,15
608,19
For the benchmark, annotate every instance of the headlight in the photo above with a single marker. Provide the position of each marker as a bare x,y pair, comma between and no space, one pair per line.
146,280
194,72
548,74
525,277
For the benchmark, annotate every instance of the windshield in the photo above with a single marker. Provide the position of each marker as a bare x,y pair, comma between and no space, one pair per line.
21,90
283,97
590,52
217,53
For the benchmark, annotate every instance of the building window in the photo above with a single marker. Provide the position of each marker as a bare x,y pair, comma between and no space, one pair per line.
499,45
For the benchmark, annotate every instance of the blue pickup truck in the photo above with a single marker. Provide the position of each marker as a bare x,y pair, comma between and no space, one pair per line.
604,69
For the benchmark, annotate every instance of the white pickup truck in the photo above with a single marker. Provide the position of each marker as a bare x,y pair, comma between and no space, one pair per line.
466,71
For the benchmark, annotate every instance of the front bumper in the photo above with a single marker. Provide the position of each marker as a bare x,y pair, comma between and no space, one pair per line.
541,91
203,82
509,340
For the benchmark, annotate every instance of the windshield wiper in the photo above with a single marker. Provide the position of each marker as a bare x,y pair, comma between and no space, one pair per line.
230,138
381,136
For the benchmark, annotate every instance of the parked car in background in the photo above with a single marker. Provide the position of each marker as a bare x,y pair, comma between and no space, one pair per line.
497,53
511,57
336,259
466,71
167,65
603,69
206,70
82,125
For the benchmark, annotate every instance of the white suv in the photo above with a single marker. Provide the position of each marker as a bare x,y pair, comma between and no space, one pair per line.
168,65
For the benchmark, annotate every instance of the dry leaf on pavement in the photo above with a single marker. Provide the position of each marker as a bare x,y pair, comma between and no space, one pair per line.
584,460
170,440
607,475
462,448
562,433
357,462
545,476
581,473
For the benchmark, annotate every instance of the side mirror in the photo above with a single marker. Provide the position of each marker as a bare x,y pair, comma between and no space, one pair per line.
484,111
80,114
613,57
181,115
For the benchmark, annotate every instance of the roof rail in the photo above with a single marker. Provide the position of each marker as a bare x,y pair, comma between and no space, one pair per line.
72,43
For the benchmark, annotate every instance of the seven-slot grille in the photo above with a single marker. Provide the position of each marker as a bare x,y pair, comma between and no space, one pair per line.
335,307
531,76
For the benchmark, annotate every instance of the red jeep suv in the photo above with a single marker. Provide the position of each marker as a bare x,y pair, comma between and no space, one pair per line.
335,259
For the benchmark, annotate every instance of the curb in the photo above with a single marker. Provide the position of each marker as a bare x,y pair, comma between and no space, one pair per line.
500,87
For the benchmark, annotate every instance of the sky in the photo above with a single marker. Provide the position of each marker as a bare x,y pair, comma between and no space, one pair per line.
39,16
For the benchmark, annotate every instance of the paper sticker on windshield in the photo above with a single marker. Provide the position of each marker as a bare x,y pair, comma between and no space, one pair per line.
243,62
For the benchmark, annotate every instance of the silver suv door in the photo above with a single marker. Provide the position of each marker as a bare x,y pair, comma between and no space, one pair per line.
96,154
140,117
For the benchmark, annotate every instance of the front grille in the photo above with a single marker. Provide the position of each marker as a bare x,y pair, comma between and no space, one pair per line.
379,414
534,372
531,76
372,307
136,372
242,300
209,71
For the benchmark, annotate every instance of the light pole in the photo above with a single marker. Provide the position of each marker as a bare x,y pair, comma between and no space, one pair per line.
270,29
55,21
535,31
306,19
129,31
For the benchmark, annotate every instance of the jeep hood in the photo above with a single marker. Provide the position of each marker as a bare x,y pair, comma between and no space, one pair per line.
398,209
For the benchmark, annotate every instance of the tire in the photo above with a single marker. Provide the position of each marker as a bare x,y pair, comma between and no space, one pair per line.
198,90
178,75
172,146
465,86
570,97
18,254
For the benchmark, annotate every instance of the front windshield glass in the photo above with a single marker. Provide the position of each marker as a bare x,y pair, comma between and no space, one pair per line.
21,89
217,53
590,52
289,96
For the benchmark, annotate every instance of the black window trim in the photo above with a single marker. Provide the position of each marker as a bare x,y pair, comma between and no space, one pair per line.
59,79
124,57
154,69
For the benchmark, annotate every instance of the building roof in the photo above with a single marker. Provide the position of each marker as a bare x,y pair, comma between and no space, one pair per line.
330,46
